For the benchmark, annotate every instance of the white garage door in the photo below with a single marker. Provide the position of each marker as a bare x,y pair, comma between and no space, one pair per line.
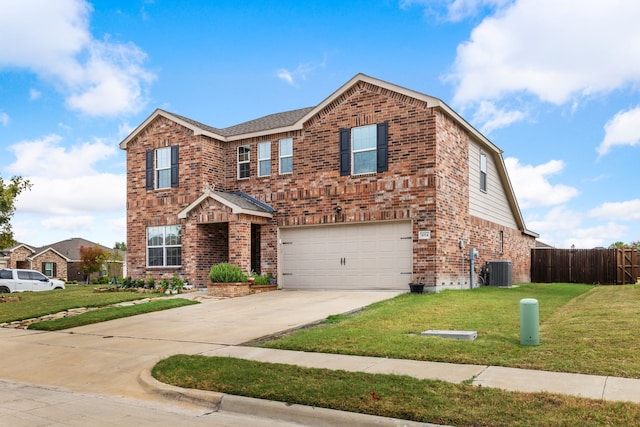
363,256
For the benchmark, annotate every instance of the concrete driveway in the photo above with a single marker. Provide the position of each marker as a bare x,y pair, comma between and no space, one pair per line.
107,358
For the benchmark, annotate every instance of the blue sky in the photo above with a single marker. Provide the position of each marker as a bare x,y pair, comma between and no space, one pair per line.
554,83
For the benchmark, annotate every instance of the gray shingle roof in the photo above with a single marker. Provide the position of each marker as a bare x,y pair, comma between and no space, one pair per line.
244,201
272,121
196,123
71,247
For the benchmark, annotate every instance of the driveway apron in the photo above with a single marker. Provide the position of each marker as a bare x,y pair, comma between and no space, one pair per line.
106,358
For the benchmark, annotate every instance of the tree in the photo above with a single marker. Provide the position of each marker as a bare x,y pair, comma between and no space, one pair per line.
121,246
617,245
8,193
91,260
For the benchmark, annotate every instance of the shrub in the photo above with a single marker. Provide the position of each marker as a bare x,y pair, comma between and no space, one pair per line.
176,282
225,273
164,285
150,283
260,280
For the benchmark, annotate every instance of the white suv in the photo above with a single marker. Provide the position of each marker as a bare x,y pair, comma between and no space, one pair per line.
17,280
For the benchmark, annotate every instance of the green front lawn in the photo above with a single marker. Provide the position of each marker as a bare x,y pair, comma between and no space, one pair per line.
583,329
110,313
395,396
36,304
592,330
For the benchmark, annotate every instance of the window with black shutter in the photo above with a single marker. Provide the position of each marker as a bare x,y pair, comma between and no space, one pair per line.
364,149
162,166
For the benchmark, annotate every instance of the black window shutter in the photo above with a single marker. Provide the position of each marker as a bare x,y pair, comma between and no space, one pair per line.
345,152
383,147
54,272
149,171
43,269
174,166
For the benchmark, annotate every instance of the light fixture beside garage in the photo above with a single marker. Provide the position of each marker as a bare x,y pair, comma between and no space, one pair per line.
338,209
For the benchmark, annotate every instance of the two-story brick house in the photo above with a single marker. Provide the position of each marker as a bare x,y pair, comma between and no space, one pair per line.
373,187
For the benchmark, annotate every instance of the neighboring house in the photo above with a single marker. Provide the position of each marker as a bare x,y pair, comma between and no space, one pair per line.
374,187
59,260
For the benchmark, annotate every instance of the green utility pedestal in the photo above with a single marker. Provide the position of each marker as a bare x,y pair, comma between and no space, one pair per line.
529,322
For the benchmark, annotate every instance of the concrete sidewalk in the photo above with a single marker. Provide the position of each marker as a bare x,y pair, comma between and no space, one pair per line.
511,379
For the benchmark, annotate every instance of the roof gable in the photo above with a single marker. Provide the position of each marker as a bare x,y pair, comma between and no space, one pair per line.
70,248
49,250
238,202
296,119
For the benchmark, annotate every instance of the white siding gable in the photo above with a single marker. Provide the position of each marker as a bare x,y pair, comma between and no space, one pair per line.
491,205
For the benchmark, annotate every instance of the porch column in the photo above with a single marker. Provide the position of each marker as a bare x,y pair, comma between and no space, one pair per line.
240,244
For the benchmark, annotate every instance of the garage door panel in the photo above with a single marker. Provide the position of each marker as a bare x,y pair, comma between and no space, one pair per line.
362,256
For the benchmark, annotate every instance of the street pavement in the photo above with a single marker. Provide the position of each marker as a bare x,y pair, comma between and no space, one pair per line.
54,378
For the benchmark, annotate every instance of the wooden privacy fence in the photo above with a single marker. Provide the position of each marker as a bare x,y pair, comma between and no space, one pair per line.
593,266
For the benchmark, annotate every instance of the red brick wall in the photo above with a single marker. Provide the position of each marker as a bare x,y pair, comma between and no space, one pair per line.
311,193
200,166
18,258
516,247
427,182
49,256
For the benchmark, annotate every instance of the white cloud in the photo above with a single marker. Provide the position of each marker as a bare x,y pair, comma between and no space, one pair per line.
455,10
48,158
531,183
300,73
555,50
124,129
71,196
624,211
4,119
495,118
596,236
557,218
34,94
64,180
622,129
562,227
68,223
97,77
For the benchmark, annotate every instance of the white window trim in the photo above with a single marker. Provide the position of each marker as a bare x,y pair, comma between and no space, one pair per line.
264,159
288,156
164,247
243,162
45,268
158,169
483,172
354,152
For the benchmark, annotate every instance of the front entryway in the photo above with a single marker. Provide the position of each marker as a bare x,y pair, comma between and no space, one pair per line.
377,255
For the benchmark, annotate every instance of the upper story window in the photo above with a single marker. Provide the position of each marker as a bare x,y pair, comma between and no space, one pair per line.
286,156
264,159
483,172
164,246
364,149
162,168
244,157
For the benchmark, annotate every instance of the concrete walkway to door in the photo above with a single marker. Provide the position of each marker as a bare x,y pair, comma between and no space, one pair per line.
107,358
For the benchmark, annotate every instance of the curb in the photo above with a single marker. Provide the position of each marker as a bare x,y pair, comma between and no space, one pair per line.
306,415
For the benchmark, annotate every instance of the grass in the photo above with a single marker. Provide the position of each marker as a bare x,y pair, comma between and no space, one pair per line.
398,396
36,304
583,329
109,313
